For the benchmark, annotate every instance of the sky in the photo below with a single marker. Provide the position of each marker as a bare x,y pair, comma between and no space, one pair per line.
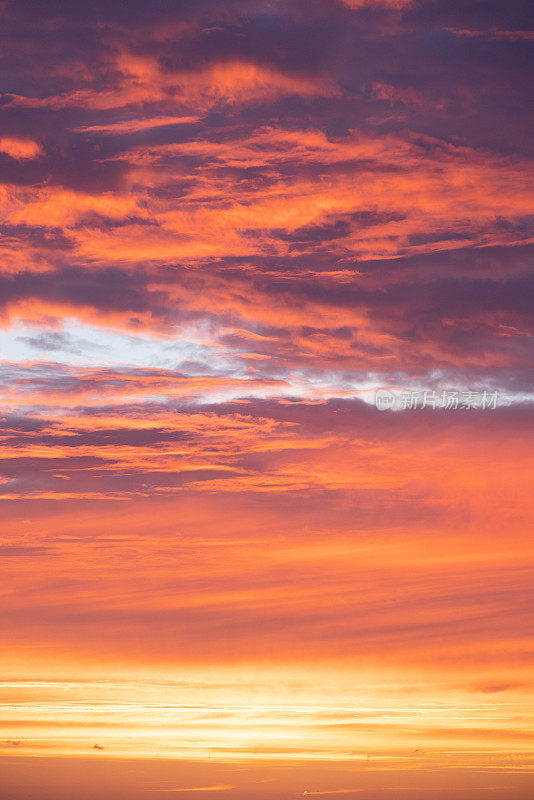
227,571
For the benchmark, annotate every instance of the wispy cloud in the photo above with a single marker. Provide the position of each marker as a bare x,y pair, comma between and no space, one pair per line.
195,789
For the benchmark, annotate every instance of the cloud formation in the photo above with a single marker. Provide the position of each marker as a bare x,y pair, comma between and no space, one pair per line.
223,226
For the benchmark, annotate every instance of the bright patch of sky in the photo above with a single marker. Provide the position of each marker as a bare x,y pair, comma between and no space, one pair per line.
90,345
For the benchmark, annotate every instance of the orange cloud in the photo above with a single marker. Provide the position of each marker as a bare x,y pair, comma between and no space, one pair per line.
135,125
21,149
141,80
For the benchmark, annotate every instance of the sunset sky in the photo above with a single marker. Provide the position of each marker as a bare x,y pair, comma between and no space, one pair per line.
226,574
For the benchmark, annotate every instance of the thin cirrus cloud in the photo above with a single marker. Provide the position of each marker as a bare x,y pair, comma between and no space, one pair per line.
135,125
327,792
223,227
196,789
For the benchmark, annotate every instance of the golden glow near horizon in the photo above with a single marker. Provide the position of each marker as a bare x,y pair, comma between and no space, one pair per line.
387,726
